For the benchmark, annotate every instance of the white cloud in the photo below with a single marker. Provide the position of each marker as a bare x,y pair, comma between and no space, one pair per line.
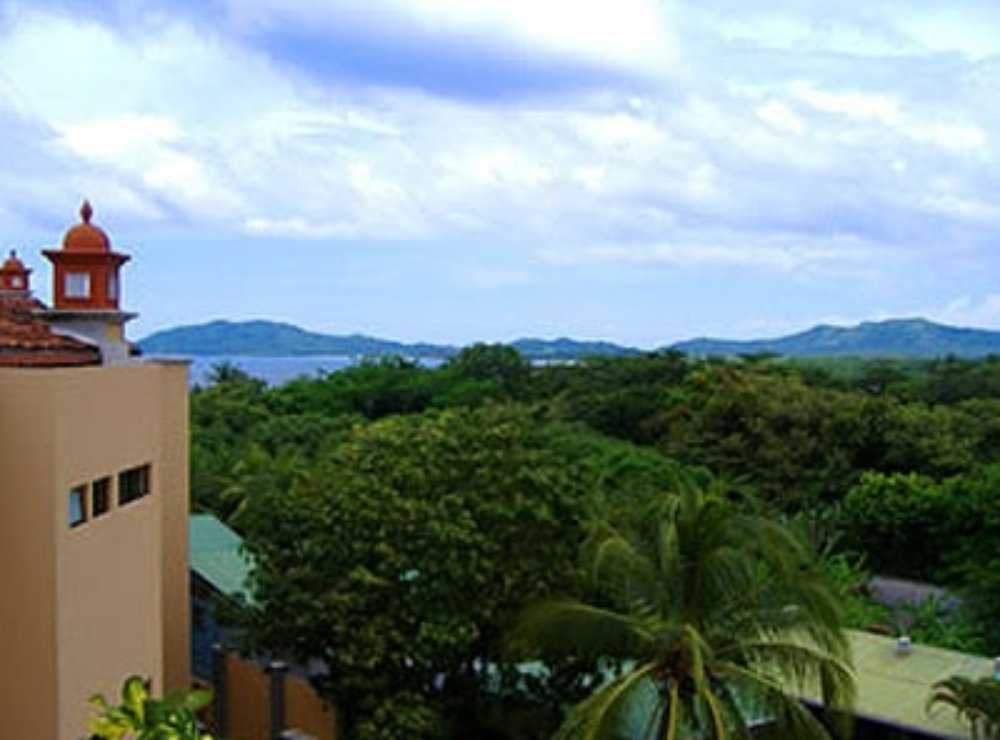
983,311
297,227
783,254
618,129
968,28
147,112
857,106
884,29
942,128
779,116
962,208
816,171
500,166
132,135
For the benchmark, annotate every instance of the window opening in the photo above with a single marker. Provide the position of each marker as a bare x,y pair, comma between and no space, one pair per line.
77,506
133,484
100,497
77,285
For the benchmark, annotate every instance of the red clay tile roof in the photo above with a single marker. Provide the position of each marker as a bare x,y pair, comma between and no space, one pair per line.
27,341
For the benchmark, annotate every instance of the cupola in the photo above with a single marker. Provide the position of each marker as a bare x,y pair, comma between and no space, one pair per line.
85,270
86,289
14,275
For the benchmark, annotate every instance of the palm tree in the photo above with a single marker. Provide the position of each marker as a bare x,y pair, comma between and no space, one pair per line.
716,619
977,701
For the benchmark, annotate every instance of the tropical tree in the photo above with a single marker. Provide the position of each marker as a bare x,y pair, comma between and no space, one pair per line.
716,620
398,558
498,364
976,701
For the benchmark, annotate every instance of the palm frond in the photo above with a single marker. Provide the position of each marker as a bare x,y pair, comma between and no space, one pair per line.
738,724
672,712
567,628
724,609
802,668
785,715
597,717
976,701
615,564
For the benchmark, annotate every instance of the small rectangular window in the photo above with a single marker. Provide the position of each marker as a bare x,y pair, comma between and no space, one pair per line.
77,506
77,285
132,484
100,497
112,287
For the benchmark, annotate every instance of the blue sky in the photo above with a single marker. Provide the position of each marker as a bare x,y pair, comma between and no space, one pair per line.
642,171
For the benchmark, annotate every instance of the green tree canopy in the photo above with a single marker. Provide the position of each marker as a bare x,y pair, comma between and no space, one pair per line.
398,558
498,364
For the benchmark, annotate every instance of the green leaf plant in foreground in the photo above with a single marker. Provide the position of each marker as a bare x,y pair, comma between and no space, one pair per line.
143,717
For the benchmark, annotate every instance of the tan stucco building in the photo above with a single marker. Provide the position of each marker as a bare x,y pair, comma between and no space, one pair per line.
94,491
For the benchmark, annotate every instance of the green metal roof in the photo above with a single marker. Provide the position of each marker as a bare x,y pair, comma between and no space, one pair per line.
893,688
215,553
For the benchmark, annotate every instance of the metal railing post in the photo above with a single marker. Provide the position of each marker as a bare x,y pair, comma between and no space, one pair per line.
219,686
277,670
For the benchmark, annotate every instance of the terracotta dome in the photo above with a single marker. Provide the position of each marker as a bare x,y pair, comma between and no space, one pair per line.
85,237
13,264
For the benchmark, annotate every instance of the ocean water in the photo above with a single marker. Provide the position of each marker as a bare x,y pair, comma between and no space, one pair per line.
278,370
272,370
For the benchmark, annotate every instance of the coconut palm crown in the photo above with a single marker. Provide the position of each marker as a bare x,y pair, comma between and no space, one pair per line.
717,621
977,701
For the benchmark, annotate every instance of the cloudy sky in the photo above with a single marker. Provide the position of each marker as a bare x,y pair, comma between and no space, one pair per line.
453,170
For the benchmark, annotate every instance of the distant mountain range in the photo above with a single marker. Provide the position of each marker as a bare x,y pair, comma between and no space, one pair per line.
275,339
895,338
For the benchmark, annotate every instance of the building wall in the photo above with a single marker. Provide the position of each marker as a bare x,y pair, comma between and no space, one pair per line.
27,550
176,591
116,584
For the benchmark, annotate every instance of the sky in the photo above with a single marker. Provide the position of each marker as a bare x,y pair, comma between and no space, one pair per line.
641,171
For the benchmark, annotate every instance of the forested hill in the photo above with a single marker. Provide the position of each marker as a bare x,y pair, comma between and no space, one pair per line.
895,338
274,339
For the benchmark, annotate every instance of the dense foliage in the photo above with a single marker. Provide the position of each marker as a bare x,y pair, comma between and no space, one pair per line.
400,513
397,559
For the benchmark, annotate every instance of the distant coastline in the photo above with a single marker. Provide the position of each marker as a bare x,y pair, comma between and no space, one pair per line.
272,370
275,370
895,338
